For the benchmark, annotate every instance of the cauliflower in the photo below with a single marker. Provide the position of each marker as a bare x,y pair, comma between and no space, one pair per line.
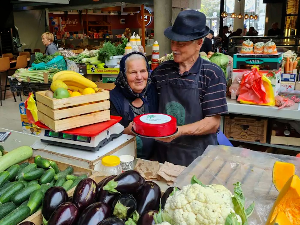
164,223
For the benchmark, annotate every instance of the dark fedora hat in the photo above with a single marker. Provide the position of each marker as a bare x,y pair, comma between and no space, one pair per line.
189,25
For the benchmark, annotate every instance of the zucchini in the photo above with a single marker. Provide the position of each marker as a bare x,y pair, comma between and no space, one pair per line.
60,182
8,195
6,187
34,175
16,216
54,166
15,156
76,182
67,171
13,171
3,178
71,177
35,200
41,162
48,176
33,182
6,208
25,193
67,185
27,169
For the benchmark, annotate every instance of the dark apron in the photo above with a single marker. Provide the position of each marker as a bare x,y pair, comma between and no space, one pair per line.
180,98
144,145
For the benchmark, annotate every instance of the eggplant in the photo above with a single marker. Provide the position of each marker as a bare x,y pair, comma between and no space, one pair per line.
128,182
106,197
85,194
148,198
53,198
27,223
65,214
166,196
112,221
147,218
94,214
124,206
104,182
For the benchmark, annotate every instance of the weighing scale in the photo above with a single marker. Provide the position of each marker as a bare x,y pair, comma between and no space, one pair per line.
89,138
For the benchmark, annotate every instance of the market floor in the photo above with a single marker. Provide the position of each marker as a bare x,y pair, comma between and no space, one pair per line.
10,114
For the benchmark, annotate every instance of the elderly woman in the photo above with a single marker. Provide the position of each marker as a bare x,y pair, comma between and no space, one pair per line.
134,95
47,39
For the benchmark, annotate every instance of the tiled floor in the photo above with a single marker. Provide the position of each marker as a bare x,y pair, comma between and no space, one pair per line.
10,115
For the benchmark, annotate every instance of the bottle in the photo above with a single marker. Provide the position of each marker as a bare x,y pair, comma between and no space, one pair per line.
139,44
155,55
110,165
128,48
133,43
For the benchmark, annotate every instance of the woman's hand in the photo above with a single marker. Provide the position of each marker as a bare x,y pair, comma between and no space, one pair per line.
128,130
170,139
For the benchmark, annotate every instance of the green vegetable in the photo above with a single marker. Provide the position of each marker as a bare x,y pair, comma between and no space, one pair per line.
76,182
35,200
27,169
196,181
16,216
6,187
221,60
2,150
40,57
67,171
13,171
34,175
25,193
24,182
108,50
54,166
3,177
36,76
15,156
41,162
67,185
71,177
232,220
32,182
6,208
60,182
45,187
48,176
8,195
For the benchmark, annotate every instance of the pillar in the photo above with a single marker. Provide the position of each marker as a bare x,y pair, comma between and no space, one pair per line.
195,4
162,20
239,7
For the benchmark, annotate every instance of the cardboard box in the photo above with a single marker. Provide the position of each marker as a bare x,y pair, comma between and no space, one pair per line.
297,87
288,77
27,127
287,86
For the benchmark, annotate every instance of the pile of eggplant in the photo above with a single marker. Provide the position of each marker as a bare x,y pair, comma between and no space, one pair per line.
126,199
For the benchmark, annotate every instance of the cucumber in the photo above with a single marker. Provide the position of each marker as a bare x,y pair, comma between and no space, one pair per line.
22,166
8,195
48,176
41,162
34,175
67,185
3,178
35,200
24,182
15,156
13,171
27,169
64,173
76,182
71,177
24,203
33,182
54,166
6,187
60,182
45,187
24,194
6,208
16,216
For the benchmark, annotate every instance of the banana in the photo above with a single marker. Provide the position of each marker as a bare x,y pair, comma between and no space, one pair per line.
74,84
77,78
74,88
63,72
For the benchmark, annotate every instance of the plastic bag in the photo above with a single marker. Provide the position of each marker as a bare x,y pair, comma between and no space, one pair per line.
228,165
256,89
234,88
31,109
56,63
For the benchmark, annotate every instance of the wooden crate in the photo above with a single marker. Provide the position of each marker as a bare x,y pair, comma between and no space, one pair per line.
68,113
246,129
282,140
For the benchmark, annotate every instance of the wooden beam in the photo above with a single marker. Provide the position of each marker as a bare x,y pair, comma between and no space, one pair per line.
87,22
143,26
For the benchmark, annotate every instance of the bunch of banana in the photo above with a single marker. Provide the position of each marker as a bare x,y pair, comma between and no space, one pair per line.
74,81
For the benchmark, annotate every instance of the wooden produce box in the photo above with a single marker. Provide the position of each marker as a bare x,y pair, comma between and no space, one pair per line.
246,129
36,218
73,112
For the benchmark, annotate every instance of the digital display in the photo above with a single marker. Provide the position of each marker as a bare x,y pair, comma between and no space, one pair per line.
83,139
53,134
64,136
68,136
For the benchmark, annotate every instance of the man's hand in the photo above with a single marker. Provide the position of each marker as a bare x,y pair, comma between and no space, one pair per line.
170,139
128,130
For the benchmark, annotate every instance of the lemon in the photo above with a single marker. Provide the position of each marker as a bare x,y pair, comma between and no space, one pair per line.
75,93
88,91
58,84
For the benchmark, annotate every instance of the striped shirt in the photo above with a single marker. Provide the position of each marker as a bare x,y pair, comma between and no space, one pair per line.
212,83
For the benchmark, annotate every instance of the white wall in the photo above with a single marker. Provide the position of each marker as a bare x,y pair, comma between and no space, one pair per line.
31,25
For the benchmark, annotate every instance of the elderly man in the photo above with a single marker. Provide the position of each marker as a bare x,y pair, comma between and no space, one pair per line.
190,89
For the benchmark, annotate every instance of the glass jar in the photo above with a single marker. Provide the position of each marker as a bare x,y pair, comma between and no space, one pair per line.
110,165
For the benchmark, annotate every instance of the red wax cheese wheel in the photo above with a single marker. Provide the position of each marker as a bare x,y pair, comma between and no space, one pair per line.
155,125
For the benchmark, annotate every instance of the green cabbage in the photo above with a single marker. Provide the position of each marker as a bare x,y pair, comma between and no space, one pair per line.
221,60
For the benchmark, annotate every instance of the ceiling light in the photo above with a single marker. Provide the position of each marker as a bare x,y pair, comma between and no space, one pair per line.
224,14
246,16
255,17
240,16
233,15
251,17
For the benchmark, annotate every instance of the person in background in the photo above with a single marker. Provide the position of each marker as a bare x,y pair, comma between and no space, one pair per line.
238,32
191,89
134,95
275,31
47,39
207,43
251,32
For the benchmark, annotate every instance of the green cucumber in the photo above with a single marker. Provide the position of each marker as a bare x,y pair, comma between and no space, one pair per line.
13,171
2,150
60,182
25,193
71,177
3,178
35,200
6,187
6,208
67,185
45,187
27,169
41,162
76,182
8,195
54,166
33,182
48,176
15,156
64,173
24,203
24,182
16,216
34,175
